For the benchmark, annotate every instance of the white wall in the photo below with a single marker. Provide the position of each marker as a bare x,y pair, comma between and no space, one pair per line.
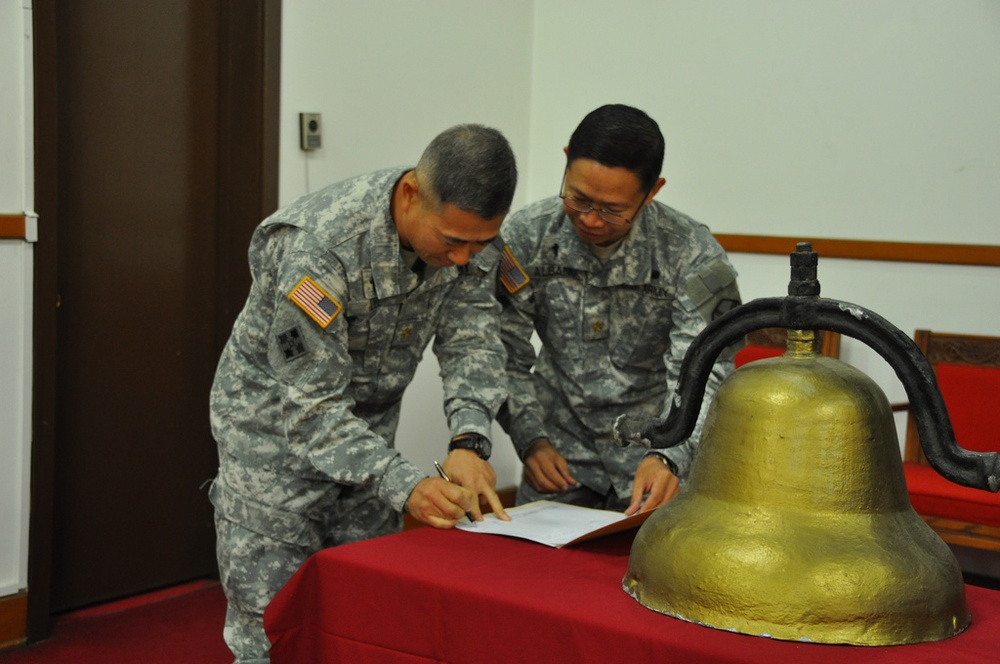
16,258
388,76
830,118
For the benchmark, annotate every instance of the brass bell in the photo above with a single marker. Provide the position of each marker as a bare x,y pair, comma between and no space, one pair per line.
795,522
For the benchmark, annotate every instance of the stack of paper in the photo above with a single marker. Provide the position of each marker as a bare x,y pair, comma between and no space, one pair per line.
555,524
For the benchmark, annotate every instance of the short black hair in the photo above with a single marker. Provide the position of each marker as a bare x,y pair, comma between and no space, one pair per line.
471,167
616,135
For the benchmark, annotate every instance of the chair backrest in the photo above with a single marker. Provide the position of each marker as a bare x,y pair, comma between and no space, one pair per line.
771,342
967,368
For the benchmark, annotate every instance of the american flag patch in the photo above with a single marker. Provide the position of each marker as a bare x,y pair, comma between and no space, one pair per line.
314,301
513,277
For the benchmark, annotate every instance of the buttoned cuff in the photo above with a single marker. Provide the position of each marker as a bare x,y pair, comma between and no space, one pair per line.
398,483
470,420
522,450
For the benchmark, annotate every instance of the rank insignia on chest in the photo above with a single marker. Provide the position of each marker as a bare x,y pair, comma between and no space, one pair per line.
315,302
512,275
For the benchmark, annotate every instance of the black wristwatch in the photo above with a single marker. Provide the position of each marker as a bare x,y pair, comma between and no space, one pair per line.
479,444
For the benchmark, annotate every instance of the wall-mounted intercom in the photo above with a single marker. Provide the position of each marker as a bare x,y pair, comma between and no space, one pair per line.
310,131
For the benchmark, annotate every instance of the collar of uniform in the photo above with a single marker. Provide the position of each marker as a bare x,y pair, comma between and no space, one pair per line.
564,247
630,265
389,275
487,259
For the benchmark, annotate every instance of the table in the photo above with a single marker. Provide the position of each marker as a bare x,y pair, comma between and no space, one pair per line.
429,595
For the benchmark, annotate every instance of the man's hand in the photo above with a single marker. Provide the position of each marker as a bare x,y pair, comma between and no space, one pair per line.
439,503
545,470
652,477
464,467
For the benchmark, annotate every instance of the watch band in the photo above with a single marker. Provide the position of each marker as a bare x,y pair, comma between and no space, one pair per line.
479,444
670,464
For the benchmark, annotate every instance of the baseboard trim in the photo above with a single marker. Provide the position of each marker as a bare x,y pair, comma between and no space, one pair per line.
13,621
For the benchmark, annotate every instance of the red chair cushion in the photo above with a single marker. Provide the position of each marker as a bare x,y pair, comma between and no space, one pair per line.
972,396
933,495
751,353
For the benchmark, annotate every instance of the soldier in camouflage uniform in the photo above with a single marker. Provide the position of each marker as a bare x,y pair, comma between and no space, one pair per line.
616,287
349,285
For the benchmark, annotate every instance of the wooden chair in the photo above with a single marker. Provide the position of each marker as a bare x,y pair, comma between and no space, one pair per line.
968,373
771,342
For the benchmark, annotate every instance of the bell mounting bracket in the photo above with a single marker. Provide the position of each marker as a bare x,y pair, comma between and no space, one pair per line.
804,309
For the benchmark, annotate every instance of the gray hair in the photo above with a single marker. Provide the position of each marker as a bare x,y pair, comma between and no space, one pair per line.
471,167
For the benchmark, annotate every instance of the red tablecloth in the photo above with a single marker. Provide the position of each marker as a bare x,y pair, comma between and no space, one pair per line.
450,596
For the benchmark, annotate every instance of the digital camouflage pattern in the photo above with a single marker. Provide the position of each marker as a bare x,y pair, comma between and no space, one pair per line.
613,335
307,394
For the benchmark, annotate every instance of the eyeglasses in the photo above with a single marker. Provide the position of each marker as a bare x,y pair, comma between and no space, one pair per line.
607,216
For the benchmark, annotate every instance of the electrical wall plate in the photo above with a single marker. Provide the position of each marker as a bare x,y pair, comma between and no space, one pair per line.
310,131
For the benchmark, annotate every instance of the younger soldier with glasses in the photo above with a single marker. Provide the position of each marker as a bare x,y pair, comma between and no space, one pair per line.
616,286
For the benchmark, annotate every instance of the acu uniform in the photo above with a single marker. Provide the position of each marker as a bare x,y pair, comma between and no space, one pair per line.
307,394
613,336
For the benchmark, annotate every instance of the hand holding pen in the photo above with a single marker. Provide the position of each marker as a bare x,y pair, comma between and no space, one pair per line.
445,477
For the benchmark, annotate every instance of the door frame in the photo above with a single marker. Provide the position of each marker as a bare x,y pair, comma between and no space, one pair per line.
249,116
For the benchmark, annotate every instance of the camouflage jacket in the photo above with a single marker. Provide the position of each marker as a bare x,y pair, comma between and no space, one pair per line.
309,386
612,336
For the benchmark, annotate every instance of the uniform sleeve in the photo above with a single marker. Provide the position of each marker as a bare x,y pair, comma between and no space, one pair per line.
469,352
708,291
521,415
315,372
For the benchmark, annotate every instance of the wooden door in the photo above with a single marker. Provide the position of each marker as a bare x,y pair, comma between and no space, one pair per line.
165,160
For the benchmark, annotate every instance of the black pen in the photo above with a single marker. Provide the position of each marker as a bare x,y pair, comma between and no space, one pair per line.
445,477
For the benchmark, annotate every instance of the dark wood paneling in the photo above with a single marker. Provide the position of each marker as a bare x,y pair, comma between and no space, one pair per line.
46,301
248,163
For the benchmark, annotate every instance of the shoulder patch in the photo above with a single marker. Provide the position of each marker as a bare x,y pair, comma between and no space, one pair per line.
724,306
512,275
291,344
315,302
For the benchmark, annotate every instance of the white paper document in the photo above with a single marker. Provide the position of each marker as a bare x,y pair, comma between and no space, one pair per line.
555,524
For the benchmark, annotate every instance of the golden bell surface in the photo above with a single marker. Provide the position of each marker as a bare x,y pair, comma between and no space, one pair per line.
795,523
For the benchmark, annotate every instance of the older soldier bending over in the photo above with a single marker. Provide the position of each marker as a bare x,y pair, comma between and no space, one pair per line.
349,285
